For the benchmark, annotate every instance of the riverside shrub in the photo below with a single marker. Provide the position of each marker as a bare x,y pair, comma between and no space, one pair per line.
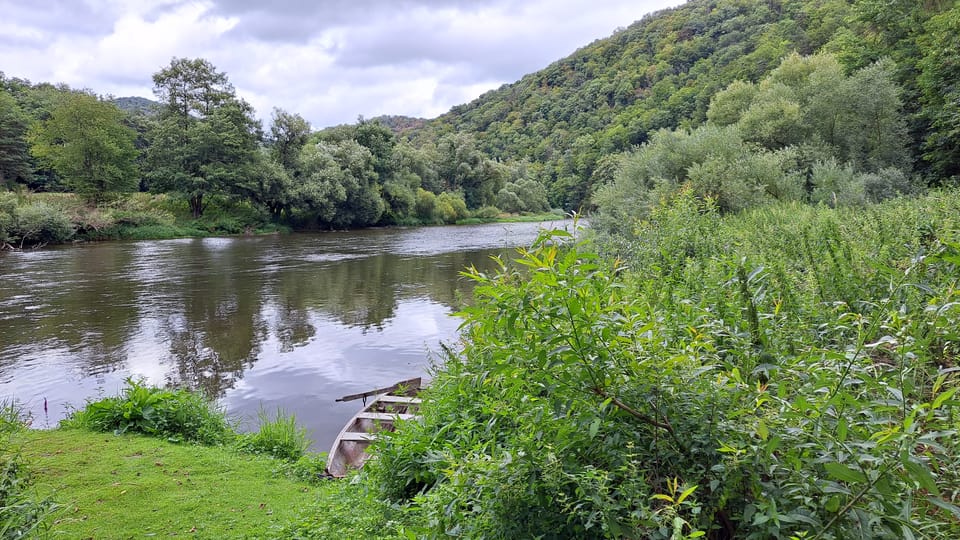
790,372
177,415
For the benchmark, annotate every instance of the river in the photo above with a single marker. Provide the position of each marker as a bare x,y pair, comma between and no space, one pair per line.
285,322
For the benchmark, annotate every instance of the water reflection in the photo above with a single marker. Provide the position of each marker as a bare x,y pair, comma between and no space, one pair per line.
291,321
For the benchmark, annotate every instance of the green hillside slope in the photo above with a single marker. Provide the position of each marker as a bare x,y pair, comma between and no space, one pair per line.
662,71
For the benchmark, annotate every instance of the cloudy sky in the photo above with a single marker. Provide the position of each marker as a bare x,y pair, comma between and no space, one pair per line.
328,60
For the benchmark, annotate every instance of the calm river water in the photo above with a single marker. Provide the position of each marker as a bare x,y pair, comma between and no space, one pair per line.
291,321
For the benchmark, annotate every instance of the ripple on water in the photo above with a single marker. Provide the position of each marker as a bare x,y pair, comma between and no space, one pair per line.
333,257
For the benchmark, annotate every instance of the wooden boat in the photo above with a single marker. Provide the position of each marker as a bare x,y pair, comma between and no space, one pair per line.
386,405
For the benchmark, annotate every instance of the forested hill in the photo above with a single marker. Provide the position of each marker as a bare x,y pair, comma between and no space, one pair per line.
136,104
662,71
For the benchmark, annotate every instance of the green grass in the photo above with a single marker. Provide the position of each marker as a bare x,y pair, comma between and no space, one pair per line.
279,437
133,486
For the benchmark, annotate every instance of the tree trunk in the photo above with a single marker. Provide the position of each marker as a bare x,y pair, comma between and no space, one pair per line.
196,205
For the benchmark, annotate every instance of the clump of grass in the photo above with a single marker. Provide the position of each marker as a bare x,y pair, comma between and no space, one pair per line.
310,468
349,510
177,415
12,417
279,437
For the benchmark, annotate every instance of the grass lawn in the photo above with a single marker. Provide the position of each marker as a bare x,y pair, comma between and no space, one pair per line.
133,486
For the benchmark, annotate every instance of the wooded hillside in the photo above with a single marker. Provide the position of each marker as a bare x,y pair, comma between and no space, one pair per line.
662,71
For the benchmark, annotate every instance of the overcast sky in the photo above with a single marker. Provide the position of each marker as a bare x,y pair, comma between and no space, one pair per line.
328,60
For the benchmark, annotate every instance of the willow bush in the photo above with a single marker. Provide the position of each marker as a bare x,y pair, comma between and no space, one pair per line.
790,372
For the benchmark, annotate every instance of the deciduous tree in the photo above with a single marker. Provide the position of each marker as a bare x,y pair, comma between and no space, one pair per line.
206,138
15,164
86,143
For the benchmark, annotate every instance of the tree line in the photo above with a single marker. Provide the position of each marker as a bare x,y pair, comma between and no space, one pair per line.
204,143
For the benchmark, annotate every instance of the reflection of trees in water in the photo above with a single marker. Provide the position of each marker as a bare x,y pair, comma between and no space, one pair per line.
365,292
292,327
221,328
211,306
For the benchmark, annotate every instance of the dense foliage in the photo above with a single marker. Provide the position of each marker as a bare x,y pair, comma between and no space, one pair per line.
185,416
205,137
790,372
173,414
23,514
86,143
806,132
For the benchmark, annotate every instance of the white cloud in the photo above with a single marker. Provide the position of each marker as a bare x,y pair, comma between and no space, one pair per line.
330,61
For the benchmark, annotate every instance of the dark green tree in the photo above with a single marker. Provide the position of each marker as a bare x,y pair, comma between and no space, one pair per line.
205,140
338,185
463,167
87,144
15,166
288,135
378,138
938,81
270,185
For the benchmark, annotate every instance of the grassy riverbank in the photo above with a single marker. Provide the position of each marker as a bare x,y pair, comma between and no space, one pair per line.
155,462
132,486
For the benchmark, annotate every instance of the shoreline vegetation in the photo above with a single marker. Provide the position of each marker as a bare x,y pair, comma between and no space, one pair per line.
42,219
785,372
159,462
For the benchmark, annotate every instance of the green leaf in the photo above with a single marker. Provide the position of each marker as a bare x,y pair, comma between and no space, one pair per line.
942,398
953,509
686,493
594,428
762,430
842,430
843,473
920,473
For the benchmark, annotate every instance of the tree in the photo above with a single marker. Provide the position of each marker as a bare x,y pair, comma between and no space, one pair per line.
270,185
938,78
808,98
206,138
86,143
463,167
289,133
380,140
338,184
192,87
420,161
14,151
524,195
